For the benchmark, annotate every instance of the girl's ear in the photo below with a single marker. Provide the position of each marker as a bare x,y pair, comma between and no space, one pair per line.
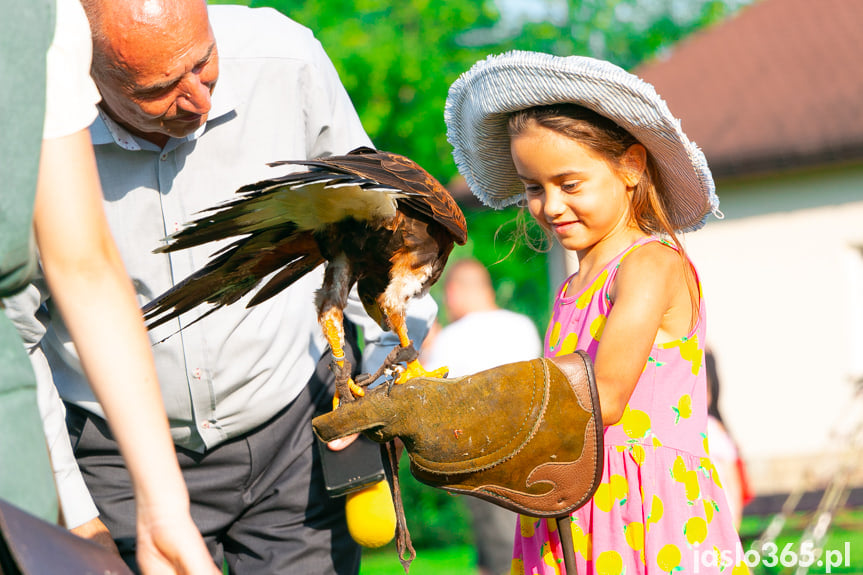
634,162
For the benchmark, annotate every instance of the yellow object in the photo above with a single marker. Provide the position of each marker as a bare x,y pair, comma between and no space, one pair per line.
636,423
634,533
609,563
668,558
371,516
695,530
656,511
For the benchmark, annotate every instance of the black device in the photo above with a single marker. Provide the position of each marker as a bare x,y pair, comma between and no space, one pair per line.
356,466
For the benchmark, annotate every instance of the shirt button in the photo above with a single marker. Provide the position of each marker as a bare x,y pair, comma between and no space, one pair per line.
197,373
163,157
206,425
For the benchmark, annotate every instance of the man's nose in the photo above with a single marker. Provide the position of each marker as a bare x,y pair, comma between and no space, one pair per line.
196,96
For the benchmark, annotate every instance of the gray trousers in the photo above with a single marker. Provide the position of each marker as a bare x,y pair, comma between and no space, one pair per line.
259,500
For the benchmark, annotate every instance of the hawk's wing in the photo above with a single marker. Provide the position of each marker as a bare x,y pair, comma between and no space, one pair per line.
422,191
272,223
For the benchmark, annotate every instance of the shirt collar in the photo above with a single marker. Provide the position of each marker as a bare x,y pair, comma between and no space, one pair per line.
104,130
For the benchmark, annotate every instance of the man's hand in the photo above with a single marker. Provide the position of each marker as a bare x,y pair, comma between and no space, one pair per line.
97,532
341,443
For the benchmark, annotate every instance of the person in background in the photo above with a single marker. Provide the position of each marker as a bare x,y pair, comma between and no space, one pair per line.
723,448
479,336
195,102
51,194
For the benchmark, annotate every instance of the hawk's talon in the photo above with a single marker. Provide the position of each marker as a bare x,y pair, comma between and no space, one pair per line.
414,369
345,386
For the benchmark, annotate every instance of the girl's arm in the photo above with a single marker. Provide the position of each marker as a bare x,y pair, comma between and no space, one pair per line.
651,303
88,281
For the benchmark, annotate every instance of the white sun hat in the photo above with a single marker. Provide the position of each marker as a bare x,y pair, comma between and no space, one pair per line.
481,100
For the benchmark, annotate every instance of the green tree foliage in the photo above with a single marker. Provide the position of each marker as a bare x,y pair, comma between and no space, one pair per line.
398,59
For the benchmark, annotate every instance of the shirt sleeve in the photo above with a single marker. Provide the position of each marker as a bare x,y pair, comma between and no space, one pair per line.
23,310
75,499
70,105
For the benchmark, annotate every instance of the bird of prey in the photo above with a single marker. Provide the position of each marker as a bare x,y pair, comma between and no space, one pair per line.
377,219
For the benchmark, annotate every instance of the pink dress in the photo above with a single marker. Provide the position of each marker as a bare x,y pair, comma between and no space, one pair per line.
660,506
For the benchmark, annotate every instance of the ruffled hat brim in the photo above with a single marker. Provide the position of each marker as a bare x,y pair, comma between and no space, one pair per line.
481,100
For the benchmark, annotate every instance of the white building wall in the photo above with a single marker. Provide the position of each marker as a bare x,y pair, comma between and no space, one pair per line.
783,280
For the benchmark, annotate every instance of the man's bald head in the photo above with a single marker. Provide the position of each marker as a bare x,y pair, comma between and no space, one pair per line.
155,62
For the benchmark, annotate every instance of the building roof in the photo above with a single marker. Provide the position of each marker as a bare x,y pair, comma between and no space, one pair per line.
778,85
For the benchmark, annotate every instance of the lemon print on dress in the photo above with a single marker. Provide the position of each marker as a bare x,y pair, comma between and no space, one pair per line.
527,525
691,352
691,486
607,493
597,325
683,409
582,542
668,558
654,361
709,469
635,423
554,336
689,478
609,563
740,569
678,469
695,531
637,453
517,567
585,297
710,507
634,533
656,511
549,558
570,342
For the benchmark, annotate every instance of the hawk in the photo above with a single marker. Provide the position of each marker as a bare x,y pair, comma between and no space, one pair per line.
375,218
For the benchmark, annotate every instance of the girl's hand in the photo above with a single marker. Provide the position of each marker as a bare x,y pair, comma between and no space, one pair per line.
169,543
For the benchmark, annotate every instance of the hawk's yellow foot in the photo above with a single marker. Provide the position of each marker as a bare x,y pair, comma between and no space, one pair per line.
355,390
414,369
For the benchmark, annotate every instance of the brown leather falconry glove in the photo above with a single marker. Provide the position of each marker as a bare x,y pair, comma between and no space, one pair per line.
526,436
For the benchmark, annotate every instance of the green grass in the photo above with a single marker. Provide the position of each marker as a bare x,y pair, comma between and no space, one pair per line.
846,529
456,560
844,540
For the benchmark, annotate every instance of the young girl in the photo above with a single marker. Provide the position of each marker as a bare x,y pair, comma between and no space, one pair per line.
607,171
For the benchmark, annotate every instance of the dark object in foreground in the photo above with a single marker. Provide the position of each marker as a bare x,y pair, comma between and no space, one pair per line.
354,468
378,219
526,436
31,546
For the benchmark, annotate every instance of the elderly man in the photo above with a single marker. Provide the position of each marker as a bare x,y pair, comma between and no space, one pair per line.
194,105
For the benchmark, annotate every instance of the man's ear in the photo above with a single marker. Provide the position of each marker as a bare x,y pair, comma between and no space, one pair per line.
634,163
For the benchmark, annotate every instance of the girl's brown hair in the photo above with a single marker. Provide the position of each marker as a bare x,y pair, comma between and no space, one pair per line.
605,138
